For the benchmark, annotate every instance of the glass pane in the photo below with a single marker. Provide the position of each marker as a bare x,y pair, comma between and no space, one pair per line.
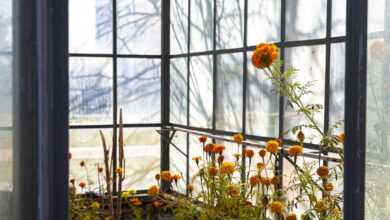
202,17
139,27
230,24
5,91
337,85
139,90
262,116
85,145
196,150
339,17
178,165
90,91
178,91
142,152
263,21
179,26
306,19
6,26
378,109
229,92
310,63
201,91
90,26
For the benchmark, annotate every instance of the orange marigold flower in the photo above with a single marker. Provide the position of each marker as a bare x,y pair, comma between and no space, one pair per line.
220,158
262,152
153,190
254,180
218,148
295,150
196,159
82,163
213,171
233,190
320,206
237,156
275,180
157,204
265,55
135,201
260,166
266,181
301,136
276,207
190,187
323,171
341,137
328,187
291,216
166,175
157,176
249,153
119,171
176,177
238,138
272,146
228,167
209,148
202,139
82,184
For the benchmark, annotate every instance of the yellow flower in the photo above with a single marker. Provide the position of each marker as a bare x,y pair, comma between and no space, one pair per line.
265,55
136,202
153,190
272,146
295,150
166,175
228,167
291,216
249,153
323,171
238,138
95,205
341,137
276,207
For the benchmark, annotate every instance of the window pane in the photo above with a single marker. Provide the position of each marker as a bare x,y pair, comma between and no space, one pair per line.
139,26
90,91
139,90
263,21
337,85
202,17
201,91
339,15
179,26
262,115
90,26
178,161
142,152
306,19
5,91
5,162
6,25
310,62
230,24
85,145
178,109
229,92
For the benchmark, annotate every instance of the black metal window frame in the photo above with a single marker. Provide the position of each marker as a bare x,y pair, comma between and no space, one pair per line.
283,44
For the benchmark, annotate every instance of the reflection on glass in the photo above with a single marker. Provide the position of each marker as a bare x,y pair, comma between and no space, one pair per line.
201,91
5,90
6,26
139,26
337,85
378,109
230,24
310,63
262,104
339,17
202,17
139,90
263,21
229,92
179,26
90,91
178,90
90,26
306,19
